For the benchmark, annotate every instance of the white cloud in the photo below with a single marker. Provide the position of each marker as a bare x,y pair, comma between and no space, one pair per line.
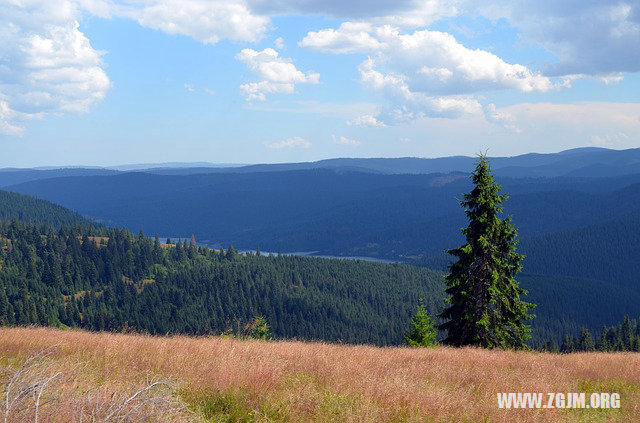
404,139
345,141
366,121
209,91
46,64
349,38
207,21
594,37
189,87
431,61
407,105
279,43
279,74
293,142
424,73
7,116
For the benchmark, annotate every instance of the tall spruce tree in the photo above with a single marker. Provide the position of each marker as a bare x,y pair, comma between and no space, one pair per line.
484,305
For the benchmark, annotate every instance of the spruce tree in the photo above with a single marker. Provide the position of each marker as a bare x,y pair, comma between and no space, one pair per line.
586,340
484,305
422,332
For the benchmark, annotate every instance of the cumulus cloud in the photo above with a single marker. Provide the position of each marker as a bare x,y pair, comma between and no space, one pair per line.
279,75
47,65
207,21
424,72
431,61
595,37
293,142
406,104
345,141
351,37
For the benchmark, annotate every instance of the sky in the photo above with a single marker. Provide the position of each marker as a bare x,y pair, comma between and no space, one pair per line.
101,82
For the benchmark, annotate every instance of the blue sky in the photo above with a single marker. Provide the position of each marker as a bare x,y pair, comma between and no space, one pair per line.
99,82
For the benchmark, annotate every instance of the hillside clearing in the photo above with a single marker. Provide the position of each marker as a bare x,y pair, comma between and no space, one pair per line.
219,379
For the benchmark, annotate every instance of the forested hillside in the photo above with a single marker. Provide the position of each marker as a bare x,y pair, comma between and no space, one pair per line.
29,209
406,217
108,279
333,212
608,251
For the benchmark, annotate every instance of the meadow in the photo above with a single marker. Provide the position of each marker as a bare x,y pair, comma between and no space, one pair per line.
74,375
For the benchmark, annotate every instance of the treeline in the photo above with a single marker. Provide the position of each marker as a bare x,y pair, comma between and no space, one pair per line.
29,209
624,336
110,279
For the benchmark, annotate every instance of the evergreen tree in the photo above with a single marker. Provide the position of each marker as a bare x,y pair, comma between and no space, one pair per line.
586,340
485,308
231,252
568,345
422,332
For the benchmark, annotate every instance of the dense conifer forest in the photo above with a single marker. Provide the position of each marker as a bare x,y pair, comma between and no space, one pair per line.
50,276
29,209
109,279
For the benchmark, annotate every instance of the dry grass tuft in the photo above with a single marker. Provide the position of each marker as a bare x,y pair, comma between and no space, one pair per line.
219,379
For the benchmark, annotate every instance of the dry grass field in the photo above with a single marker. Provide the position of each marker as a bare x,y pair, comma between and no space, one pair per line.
81,376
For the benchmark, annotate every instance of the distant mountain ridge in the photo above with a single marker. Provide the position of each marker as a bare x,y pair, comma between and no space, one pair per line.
579,162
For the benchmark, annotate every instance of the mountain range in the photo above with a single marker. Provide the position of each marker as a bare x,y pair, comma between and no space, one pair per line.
580,162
